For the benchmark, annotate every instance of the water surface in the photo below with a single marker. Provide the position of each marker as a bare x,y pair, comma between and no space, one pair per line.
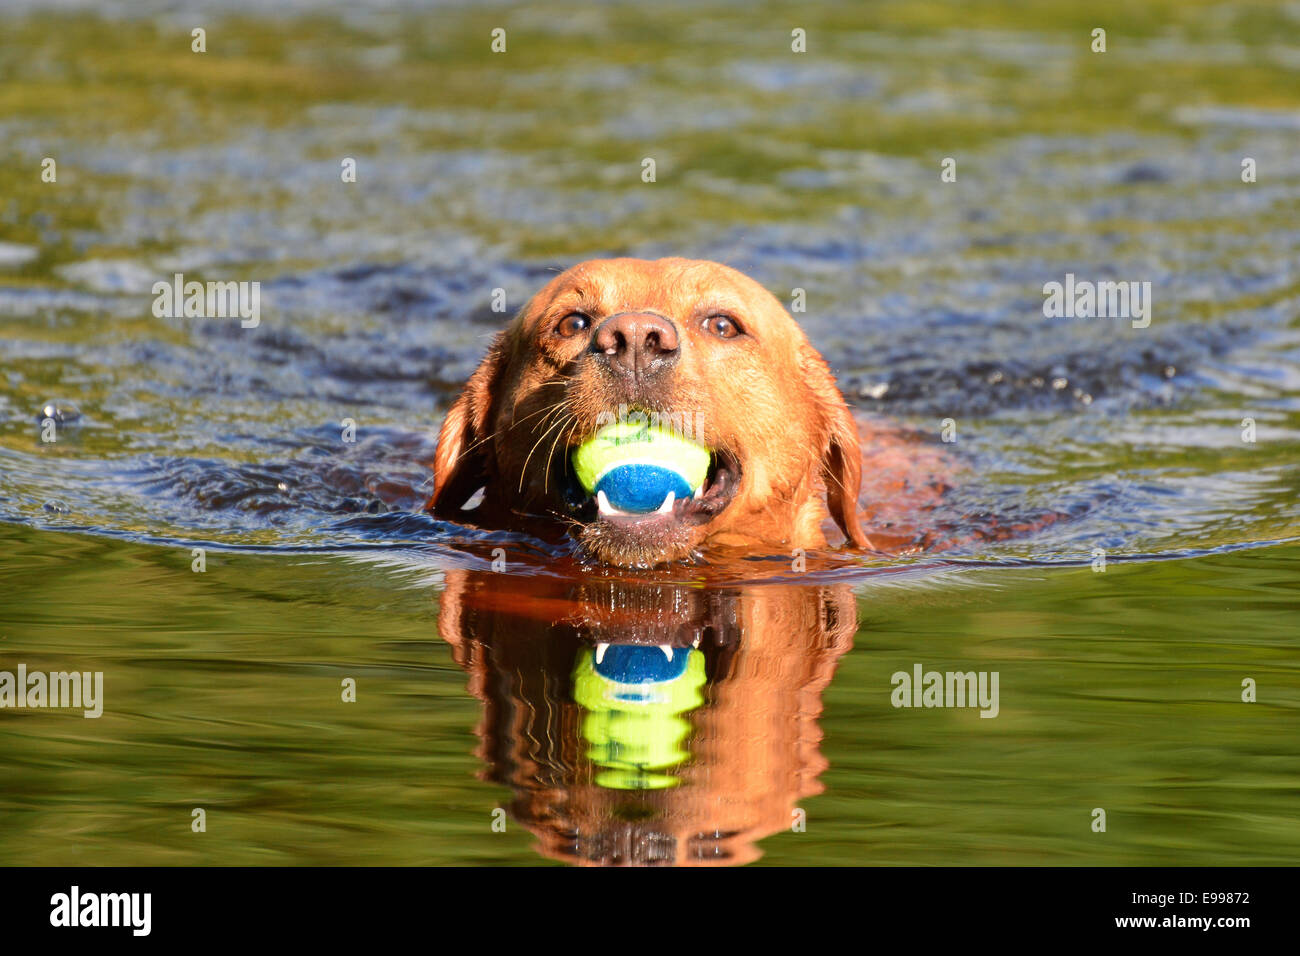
478,690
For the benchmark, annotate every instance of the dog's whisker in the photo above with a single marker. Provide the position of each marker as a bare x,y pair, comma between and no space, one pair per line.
488,437
559,412
837,481
523,472
515,423
546,476
492,434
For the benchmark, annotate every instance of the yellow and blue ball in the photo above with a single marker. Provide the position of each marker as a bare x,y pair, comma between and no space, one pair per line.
636,465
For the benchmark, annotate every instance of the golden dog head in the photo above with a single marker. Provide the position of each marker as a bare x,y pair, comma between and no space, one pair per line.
691,344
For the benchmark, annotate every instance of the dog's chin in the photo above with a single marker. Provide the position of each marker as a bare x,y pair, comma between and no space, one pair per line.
658,537
644,544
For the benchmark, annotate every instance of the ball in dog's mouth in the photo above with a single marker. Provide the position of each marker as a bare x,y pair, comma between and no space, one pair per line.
636,467
650,535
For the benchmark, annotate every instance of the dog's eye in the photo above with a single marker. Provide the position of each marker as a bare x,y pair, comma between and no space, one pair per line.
723,326
573,323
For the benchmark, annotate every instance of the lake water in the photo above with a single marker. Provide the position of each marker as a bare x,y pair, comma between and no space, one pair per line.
484,729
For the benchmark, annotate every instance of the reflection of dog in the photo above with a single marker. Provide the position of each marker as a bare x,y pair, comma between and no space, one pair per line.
653,723
684,340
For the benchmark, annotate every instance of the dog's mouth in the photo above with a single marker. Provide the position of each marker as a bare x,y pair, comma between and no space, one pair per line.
650,537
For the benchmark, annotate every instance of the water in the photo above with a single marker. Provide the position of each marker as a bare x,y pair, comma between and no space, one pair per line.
477,690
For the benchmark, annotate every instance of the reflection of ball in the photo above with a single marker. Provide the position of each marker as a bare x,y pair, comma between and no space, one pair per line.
635,701
636,465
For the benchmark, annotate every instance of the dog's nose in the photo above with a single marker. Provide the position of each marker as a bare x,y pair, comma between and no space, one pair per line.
637,343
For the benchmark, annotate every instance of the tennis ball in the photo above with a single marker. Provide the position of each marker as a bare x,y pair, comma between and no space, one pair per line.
636,465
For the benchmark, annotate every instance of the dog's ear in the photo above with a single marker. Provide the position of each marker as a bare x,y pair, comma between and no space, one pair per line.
462,461
841,453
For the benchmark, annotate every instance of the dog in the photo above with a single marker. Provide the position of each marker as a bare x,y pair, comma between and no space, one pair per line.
686,340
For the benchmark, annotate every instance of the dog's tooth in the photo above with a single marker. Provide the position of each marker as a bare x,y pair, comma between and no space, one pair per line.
667,506
699,492
668,651
605,508
600,652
